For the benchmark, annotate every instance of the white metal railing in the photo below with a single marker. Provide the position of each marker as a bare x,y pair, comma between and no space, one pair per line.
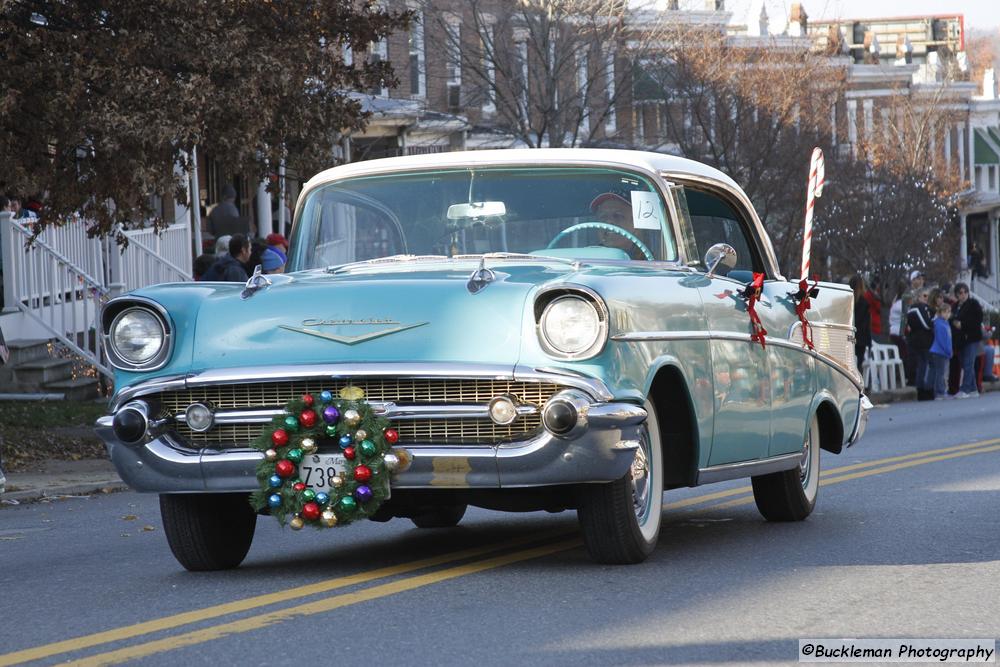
53,291
151,259
61,279
987,294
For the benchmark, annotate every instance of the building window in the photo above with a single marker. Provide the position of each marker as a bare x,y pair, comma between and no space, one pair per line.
418,85
611,120
489,69
521,46
582,88
379,52
453,62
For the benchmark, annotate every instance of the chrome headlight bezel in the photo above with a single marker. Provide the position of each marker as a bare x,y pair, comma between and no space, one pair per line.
545,308
113,314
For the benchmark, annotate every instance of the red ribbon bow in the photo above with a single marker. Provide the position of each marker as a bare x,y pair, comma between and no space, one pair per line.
802,304
752,295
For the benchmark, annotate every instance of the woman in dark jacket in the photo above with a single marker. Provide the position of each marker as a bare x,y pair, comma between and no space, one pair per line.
920,322
967,323
862,320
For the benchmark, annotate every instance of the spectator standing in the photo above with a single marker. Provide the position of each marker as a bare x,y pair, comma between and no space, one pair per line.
873,297
272,262
229,267
897,325
909,298
940,353
862,320
919,322
977,261
225,216
968,326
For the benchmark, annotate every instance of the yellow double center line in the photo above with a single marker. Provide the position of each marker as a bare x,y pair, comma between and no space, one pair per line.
832,476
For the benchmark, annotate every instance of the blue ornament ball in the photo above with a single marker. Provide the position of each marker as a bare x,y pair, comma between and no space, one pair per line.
274,481
322,498
346,441
325,396
363,493
274,501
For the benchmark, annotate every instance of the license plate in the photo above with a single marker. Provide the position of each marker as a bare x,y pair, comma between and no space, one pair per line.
316,470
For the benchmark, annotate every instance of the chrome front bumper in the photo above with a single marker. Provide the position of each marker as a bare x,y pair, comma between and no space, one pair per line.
601,451
861,423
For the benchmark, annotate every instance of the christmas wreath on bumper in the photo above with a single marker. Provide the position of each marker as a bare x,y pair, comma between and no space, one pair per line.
310,429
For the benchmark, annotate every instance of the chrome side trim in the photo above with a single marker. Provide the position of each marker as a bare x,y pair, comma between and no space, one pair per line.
649,336
644,336
721,473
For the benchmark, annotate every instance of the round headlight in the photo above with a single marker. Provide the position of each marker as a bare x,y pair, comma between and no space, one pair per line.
137,335
571,325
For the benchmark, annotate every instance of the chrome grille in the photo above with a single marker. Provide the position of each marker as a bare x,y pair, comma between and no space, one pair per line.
837,343
434,391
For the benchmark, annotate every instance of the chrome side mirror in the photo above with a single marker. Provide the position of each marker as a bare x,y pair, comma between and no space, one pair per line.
721,256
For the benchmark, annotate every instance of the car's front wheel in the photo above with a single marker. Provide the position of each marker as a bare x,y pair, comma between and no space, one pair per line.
790,495
208,531
620,520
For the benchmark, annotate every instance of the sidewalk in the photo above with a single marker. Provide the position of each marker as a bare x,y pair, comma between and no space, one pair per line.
77,478
62,478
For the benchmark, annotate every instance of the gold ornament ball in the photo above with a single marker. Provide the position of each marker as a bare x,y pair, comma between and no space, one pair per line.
328,518
336,481
360,435
296,523
271,455
309,446
352,393
352,417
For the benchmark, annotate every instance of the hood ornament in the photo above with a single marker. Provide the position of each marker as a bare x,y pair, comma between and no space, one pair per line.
350,340
481,277
257,281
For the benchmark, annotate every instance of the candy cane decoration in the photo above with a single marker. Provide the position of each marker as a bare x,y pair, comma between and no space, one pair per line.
816,180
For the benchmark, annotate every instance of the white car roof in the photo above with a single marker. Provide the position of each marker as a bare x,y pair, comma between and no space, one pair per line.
657,162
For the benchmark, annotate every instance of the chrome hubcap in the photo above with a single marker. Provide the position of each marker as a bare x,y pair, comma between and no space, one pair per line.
806,461
640,479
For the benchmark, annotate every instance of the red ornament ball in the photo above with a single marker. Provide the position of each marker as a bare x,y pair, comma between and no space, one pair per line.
284,468
308,418
280,437
362,473
308,400
349,453
310,511
299,487
391,436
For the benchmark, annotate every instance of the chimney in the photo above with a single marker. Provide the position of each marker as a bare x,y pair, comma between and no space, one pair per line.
798,21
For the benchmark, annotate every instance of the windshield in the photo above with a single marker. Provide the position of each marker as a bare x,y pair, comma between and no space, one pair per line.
576,213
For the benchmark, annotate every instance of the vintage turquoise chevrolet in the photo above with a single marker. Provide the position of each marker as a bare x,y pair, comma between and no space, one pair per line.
548,330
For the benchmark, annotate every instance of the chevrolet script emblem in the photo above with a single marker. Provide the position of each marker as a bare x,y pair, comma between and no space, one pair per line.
393,327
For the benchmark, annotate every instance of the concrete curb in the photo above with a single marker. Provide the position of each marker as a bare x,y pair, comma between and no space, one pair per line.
55,492
910,394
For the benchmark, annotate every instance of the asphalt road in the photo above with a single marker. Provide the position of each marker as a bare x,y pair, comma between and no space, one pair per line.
905,542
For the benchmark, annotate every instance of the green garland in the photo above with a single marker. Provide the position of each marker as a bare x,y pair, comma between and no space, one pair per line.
308,426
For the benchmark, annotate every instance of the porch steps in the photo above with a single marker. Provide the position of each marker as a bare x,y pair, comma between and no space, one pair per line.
32,370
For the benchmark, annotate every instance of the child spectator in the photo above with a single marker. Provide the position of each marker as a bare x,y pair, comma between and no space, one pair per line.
940,353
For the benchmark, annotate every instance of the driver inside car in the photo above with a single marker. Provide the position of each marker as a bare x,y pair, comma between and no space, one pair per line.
614,209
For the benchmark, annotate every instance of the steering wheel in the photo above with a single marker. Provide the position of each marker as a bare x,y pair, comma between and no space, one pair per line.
607,227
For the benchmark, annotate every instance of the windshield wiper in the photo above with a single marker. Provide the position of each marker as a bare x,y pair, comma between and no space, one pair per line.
391,259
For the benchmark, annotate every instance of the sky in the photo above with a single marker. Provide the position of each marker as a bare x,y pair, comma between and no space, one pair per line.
979,14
